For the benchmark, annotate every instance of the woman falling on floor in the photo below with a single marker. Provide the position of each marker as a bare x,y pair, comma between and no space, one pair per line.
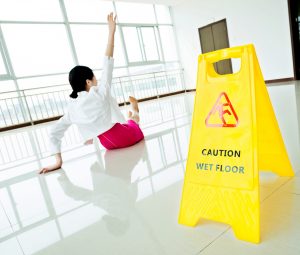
94,110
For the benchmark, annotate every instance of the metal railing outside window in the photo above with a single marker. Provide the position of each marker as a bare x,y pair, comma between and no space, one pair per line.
32,106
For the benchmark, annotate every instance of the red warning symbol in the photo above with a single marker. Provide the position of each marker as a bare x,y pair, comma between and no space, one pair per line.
222,114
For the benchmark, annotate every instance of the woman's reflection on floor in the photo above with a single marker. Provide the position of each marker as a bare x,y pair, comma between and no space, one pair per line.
112,187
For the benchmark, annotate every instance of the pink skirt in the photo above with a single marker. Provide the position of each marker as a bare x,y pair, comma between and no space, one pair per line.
121,135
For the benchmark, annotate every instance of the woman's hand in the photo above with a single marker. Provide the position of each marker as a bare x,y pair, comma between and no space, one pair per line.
54,167
51,168
111,20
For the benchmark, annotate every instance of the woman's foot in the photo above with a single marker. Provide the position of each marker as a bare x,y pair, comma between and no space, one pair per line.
134,104
88,142
134,114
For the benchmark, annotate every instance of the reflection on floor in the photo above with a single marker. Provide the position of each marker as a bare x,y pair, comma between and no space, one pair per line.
127,201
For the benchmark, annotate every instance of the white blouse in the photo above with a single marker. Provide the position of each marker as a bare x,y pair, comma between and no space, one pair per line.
94,112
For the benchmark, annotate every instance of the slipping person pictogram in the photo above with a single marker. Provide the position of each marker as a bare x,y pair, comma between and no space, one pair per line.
224,111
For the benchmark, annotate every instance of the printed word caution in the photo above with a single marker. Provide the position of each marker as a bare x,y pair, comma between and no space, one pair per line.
224,153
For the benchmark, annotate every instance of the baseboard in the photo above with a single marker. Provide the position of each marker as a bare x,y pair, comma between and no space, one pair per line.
280,80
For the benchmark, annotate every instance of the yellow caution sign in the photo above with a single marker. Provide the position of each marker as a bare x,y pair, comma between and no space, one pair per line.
234,133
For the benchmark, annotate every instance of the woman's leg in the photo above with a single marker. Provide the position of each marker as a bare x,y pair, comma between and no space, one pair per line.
133,116
134,113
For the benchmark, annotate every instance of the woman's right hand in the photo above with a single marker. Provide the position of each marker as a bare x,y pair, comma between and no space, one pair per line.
54,167
51,168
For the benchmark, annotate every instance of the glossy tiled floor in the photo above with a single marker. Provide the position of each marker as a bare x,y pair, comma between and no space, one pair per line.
127,201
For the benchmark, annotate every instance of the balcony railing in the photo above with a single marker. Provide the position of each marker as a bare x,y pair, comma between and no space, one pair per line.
33,106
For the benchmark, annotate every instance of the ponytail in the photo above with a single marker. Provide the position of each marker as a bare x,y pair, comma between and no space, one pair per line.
74,94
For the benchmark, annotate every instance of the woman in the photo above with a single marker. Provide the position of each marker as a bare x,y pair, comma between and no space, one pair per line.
94,110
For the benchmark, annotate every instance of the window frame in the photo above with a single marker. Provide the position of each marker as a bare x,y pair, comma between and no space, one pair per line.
67,23
7,75
144,61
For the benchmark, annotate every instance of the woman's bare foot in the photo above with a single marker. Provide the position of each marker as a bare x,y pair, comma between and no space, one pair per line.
134,104
130,114
90,141
134,114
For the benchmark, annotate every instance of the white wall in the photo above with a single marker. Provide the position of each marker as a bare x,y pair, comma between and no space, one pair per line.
263,23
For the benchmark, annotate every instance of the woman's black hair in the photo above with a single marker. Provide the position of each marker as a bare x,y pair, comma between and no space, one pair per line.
77,78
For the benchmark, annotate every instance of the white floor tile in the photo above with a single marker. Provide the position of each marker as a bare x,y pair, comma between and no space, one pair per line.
8,242
292,186
127,201
5,227
271,180
10,246
280,226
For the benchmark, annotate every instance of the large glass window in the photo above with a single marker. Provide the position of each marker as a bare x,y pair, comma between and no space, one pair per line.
88,11
38,48
90,43
150,43
141,44
163,14
135,13
2,66
132,43
42,44
168,43
44,81
30,10
7,86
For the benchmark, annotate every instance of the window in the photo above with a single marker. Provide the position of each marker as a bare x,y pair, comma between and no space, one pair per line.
90,43
135,13
150,43
88,11
163,14
2,66
38,48
44,81
141,44
168,43
30,10
132,43
44,39
7,86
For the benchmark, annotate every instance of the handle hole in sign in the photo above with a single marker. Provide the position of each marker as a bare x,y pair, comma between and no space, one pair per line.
227,66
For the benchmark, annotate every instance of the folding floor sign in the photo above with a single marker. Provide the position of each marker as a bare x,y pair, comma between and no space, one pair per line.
234,134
